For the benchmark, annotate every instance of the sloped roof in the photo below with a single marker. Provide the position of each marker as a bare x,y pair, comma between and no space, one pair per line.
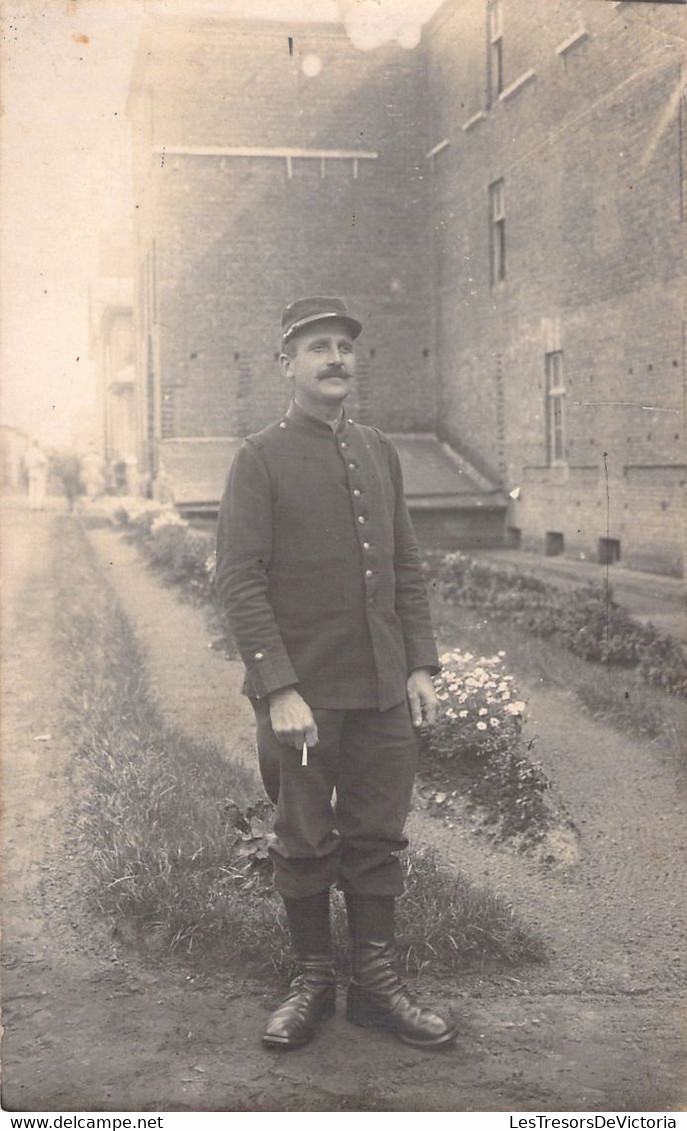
434,478
194,470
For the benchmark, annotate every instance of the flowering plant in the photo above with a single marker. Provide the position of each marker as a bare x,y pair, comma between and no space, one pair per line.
167,516
477,747
480,707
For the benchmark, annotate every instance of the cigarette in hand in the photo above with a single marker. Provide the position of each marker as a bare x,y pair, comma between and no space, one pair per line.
304,756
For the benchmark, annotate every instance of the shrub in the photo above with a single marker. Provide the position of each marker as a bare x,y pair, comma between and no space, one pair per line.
180,555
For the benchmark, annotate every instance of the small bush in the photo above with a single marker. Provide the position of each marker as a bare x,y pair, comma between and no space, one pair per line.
178,554
182,557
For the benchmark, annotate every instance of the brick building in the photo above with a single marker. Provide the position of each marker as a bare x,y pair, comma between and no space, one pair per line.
557,211
256,182
502,207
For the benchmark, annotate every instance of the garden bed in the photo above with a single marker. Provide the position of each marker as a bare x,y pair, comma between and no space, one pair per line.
586,621
477,758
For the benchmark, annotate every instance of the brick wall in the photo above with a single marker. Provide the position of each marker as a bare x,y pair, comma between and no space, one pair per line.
589,150
588,139
236,238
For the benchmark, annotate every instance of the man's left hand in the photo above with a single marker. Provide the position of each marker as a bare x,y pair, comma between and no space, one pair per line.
422,698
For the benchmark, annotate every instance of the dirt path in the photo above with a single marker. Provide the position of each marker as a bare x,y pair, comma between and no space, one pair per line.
89,1026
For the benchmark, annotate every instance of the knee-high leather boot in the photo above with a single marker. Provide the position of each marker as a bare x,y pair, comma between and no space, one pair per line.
311,993
376,996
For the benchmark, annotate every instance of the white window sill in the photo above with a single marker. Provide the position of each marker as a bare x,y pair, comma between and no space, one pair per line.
480,116
517,85
572,41
437,149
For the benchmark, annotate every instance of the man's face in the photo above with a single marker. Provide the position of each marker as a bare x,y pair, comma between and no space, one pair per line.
321,364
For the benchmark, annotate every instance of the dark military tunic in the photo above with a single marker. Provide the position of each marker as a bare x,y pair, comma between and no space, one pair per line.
318,567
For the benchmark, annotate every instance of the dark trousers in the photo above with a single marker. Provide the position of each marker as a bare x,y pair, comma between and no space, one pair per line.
340,818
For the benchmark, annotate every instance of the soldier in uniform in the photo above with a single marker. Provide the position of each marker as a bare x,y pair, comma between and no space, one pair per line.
320,576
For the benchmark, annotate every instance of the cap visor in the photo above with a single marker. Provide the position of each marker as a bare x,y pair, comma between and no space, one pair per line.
353,325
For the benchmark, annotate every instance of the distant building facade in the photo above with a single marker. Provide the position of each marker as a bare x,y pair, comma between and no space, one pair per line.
503,208
557,134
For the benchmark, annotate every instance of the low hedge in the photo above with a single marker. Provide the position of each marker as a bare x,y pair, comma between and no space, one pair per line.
587,620
178,553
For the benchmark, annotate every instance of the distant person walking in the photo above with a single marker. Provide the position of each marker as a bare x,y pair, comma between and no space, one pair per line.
68,470
36,463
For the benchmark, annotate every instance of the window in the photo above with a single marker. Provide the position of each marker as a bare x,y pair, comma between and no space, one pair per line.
495,60
497,211
555,409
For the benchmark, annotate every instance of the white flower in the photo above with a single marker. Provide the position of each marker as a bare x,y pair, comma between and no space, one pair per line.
494,722
483,711
514,708
462,714
167,518
481,726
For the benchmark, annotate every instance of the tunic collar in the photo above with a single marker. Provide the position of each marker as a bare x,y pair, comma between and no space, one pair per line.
298,415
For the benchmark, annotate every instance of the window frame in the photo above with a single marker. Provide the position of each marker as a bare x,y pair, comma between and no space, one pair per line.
497,232
495,49
555,412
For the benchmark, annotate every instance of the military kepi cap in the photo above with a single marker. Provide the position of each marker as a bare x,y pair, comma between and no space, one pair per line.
307,311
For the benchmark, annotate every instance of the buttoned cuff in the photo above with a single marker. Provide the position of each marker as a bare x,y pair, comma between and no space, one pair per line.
265,674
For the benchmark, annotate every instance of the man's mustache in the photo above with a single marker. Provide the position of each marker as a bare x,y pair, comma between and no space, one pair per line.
332,371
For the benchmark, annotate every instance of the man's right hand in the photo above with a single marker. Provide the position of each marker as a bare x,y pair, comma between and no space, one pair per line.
291,718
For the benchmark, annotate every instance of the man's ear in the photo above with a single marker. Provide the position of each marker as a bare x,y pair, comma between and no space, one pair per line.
285,364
